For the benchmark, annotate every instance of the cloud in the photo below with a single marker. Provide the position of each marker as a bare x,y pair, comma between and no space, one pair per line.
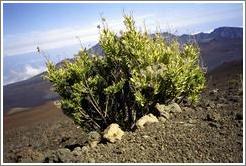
207,31
27,72
178,21
56,38
171,20
31,71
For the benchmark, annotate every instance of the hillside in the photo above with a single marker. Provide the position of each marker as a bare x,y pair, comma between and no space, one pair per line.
211,132
224,44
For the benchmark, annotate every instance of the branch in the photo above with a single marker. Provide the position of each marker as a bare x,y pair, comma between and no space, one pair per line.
94,103
106,109
84,114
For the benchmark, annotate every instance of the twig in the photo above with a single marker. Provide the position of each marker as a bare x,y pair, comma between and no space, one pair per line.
106,109
94,103
84,114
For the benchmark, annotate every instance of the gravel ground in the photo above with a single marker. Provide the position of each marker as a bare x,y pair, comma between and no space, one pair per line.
210,132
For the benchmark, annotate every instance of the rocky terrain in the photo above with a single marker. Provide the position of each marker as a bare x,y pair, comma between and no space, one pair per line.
209,132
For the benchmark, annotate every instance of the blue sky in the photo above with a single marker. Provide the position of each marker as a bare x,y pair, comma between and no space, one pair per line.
57,25
54,27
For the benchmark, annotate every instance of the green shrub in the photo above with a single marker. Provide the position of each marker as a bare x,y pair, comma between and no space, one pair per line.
136,72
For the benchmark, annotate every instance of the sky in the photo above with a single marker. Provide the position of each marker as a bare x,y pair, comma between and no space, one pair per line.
53,26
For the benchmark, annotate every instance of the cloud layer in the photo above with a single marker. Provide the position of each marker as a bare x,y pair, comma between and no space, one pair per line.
27,72
57,38
170,21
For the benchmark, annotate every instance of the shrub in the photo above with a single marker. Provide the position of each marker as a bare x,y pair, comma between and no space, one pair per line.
135,72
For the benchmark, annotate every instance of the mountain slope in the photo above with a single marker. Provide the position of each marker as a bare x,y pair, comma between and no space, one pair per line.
224,44
32,92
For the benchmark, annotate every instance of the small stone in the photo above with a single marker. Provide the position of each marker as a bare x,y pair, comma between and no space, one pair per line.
214,117
222,132
234,98
123,150
187,109
192,121
166,115
117,151
50,156
57,103
188,125
162,147
64,151
221,105
93,144
239,142
240,134
28,154
145,136
113,133
240,91
162,119
214,92
91,160
171,108
239,123
147,119
212,105
64,155
77,151
84,149
94,138
206,103
239,116
175,108
222,100
213,124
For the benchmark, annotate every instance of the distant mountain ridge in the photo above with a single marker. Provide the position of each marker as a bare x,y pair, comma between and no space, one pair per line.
228,32
217,34
223,45
220,33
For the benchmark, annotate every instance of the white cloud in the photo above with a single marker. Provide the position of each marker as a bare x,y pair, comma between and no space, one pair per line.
57,38
27,72
192,19
66,36
207,31
31,71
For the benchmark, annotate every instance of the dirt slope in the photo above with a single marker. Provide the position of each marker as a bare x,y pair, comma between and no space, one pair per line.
212,131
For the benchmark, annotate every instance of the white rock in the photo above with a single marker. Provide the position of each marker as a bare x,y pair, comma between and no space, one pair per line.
171,108
57,103
113,133
150,118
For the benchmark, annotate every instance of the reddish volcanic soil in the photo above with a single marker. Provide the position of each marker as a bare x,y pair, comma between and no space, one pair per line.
211,131
32,116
